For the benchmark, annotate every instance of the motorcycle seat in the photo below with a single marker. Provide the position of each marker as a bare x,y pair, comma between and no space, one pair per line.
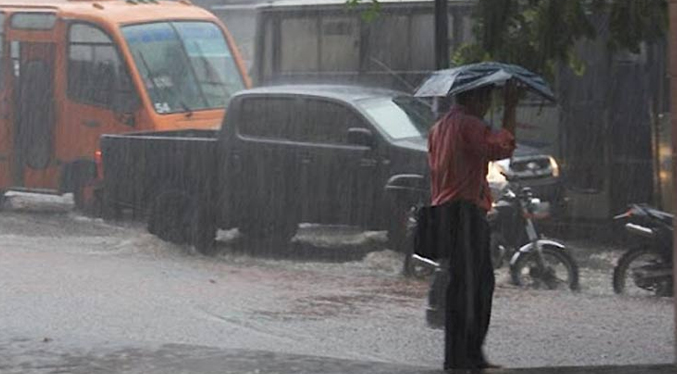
661,216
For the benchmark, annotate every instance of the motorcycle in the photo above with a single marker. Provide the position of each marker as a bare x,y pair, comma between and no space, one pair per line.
646,268
534,262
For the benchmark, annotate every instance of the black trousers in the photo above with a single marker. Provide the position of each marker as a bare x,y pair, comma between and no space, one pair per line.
470,288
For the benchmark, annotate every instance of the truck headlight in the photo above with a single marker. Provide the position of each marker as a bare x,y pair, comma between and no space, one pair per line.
554,166
496,179
496,173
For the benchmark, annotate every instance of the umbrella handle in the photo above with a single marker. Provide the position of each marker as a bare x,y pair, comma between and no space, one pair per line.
512,93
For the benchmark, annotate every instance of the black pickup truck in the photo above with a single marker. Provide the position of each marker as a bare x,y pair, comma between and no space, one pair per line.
284,155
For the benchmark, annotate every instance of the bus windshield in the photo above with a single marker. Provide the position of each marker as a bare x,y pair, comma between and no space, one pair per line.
185,66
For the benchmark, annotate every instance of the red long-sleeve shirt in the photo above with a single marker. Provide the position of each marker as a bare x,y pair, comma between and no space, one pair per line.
460,147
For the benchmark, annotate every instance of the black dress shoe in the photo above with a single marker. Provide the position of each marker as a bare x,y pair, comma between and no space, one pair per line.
462,369
435,318
472,368
459,368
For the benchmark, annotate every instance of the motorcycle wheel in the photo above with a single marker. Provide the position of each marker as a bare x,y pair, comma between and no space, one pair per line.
527,274
624,282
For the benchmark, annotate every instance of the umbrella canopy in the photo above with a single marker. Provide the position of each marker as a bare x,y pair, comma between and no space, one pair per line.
469,77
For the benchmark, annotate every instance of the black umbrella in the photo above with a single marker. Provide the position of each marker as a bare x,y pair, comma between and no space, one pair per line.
469,77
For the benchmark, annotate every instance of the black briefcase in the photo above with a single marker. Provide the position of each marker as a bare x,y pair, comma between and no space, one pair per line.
434,231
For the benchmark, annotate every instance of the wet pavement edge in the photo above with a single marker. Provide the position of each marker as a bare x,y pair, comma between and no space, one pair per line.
180,359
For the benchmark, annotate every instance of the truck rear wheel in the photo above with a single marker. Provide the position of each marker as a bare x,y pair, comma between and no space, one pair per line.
280,229
178,218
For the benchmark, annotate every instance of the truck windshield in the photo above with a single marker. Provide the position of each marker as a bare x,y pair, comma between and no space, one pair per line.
400,117
185,66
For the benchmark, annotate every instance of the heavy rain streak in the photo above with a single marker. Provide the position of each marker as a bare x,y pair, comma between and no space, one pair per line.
327,186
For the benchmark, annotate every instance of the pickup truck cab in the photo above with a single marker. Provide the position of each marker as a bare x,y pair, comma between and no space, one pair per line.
324,154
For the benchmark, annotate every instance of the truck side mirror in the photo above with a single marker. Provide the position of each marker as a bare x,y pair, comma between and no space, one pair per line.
124,100
124,104
360,136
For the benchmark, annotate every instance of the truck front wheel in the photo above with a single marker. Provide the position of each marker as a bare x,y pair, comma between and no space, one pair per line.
399,227
178,218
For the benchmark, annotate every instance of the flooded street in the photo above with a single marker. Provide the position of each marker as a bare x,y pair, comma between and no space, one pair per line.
73,283
260,184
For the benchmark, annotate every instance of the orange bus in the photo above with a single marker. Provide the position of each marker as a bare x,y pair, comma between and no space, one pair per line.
71,70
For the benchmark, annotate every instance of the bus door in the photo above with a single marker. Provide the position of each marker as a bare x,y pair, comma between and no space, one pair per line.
5,112
32,52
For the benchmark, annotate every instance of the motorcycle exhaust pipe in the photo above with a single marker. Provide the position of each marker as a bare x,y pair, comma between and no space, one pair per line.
639,230
425,262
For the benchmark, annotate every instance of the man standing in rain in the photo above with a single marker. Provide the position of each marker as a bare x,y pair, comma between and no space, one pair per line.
460,147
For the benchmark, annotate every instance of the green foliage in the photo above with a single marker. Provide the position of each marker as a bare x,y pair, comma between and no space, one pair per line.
372,11
530,33
635,21
539,33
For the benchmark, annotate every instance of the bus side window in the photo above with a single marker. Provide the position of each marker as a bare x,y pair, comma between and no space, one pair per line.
2,51
97,75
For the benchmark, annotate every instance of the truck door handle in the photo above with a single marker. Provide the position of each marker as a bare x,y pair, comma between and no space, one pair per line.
306,161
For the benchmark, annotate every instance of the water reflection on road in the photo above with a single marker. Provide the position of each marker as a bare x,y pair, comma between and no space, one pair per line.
333,292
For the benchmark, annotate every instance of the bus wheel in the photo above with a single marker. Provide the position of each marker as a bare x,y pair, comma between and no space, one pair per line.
87,198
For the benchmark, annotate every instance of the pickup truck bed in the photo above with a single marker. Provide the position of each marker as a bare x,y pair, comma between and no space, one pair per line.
139,166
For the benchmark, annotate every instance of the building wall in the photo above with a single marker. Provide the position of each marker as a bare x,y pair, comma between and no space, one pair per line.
610,117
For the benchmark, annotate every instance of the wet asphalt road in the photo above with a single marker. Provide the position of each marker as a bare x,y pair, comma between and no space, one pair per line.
69,282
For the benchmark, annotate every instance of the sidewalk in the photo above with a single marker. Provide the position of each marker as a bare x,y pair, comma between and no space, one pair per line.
187,359
269,363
